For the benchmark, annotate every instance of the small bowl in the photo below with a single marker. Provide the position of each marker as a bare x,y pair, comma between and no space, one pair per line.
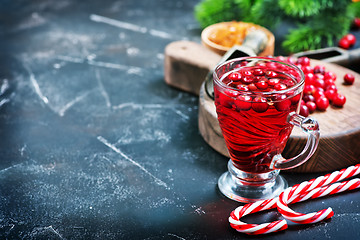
220,49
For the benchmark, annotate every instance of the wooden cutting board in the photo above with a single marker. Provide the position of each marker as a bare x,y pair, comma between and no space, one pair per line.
186,66
339,144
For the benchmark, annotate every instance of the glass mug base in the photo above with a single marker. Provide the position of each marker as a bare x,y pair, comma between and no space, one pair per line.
250,187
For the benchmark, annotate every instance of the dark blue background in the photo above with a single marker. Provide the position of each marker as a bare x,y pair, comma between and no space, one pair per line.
95,145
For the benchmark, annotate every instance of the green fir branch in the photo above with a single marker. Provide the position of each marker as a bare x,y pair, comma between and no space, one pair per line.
302,38
354,8
308,8
301,8
336,4
320,31
209,12
267,13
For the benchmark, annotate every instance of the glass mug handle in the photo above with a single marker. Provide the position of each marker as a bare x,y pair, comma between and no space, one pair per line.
311,127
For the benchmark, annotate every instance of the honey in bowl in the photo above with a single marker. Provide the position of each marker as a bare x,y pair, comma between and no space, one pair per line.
231,34
221,37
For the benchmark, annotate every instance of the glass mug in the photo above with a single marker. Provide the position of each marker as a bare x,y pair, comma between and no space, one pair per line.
257,102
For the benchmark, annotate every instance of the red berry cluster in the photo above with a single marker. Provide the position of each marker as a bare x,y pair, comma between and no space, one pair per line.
320,90
251,81
356,23
347,41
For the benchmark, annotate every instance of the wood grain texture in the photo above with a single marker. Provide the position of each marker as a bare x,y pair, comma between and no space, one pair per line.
339,144
187,64
208,124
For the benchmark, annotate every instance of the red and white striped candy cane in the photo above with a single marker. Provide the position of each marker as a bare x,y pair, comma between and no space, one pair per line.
285,198
296,194
290,195
249,208
325,180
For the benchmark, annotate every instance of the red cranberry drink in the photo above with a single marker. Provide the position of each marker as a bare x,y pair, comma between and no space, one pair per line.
255,125
257,102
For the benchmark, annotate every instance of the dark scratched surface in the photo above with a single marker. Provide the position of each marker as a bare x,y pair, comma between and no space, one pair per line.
95,145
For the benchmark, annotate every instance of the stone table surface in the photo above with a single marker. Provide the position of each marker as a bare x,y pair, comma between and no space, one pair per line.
95,145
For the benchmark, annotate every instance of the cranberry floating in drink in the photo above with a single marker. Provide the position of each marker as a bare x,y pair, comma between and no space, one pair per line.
257,102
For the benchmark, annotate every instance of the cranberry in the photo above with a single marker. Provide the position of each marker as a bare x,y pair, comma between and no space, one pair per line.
322,103
291,60
356,22
262,85
235,76
319,83
350,38
243,102
343,43
226,99
311,106
303,61
288,83
231,93
252,87
349,79
310,78
241,64
307,69
271,74
259,104
261,64
332,86
304,111
280,87
329,82
339,100
309,97
309,89
258,72
295,99
281,59
329,75
242,87
319,89
319,69
282,104
246,73
273,81
319,75
319,92
247,79
271,65
330,93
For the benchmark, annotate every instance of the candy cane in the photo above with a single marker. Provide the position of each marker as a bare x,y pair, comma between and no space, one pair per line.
249,208
290,195
285,198
297,193
325,180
